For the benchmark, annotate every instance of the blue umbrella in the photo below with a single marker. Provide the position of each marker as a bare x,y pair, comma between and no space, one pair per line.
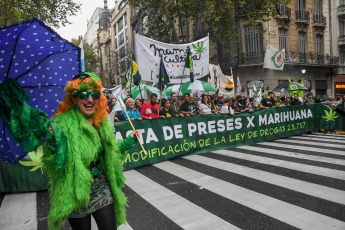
41,62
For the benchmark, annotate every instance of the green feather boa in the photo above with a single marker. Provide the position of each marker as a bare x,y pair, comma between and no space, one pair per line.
70,189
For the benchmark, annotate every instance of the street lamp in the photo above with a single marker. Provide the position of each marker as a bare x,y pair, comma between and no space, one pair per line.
303,71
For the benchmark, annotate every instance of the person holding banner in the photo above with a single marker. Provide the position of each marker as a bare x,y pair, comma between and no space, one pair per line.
205,106
175,106
166,111
91,178
132,112
267,102
188,108
150,109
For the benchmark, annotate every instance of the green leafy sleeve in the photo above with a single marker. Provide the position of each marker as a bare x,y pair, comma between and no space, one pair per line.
127,143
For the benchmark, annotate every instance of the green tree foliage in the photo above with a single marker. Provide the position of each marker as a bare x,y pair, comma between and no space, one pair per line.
216,17
91,58
53,12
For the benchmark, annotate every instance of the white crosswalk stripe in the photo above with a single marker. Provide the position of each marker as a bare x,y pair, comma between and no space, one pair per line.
294,154
323,192
317,138
264,186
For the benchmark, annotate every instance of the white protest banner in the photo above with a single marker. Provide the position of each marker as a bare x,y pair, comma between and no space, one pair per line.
226,85
274,58
148,51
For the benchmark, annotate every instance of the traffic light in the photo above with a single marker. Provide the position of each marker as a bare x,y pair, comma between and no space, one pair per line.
113,83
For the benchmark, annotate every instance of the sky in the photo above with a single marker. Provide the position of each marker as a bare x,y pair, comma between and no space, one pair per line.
79,22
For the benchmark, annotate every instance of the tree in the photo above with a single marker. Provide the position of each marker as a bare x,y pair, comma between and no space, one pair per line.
216,17
52,12
91,59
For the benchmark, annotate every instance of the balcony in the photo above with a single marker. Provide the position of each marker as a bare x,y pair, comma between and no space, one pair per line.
341,41
283,12
341,11
302,17
320,21
252,58
311,58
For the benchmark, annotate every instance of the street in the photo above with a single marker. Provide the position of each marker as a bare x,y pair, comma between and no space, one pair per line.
292,183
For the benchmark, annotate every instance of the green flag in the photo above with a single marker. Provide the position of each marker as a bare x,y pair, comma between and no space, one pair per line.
189,64
135,71
163,76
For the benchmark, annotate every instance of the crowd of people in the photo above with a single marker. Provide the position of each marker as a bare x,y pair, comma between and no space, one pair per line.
188,105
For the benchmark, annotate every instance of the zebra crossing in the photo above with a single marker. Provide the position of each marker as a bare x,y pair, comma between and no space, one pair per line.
292,183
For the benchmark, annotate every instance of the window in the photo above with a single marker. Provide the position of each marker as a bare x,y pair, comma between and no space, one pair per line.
342,57
182,29
105,51
121,39
253,44
341,27
120,24
145,30
283,39
319,49
341,2
300,14
317,7
302,48
300,5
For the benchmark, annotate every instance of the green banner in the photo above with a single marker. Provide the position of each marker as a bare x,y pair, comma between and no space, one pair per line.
171,137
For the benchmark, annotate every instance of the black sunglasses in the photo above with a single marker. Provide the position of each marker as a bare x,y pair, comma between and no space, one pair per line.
85,95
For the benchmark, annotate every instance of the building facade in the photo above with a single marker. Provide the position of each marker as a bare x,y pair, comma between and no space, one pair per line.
302,28
338,43
92,29
114,44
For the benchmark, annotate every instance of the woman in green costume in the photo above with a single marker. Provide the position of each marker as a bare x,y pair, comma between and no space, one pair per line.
91,181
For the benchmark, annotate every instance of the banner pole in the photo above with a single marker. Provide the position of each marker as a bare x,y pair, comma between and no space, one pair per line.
184,67
140,92
281,77
262,74
124,109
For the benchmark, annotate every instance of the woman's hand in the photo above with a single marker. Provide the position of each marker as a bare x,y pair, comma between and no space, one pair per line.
132,119
136,133
162,116
50,129
139,119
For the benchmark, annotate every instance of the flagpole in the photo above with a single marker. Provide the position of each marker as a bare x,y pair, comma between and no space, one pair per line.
124,109
262,74
140,92
184,67
281,77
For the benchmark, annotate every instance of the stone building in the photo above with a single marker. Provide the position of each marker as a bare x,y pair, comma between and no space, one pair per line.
337,25
92,29
302,28
114,43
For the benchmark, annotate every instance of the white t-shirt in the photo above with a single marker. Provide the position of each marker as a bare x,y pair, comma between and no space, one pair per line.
206,109
227,110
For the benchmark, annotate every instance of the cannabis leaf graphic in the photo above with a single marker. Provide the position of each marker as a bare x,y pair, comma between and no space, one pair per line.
330,116
36,160
199,47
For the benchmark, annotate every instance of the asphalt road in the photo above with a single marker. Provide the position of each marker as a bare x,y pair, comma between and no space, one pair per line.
292,183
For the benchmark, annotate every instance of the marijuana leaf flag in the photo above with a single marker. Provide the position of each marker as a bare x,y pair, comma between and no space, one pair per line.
135,71
274,58
163,76
189,64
